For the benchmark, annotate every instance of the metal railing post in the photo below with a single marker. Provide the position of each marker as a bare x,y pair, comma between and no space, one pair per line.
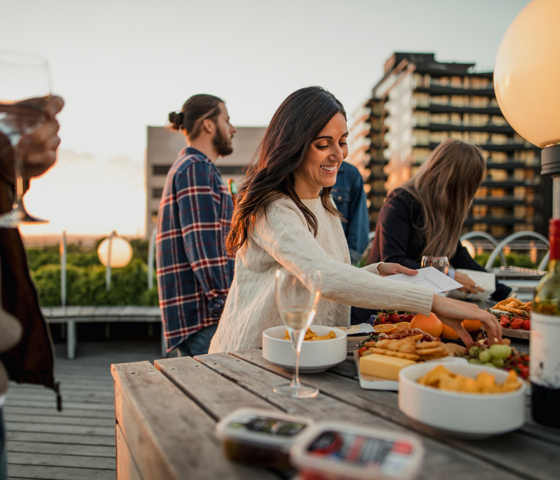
151,255
108,272
63,269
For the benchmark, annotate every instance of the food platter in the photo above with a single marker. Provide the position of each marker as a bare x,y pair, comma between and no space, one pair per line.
510,332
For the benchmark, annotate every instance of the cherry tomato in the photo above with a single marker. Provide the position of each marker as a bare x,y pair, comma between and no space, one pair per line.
505,321
361,351
527,325
524,371
516,323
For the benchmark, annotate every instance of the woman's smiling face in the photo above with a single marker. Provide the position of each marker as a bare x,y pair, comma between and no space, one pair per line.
320,163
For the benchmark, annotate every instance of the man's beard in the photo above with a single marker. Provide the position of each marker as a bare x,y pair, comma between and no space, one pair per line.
221,143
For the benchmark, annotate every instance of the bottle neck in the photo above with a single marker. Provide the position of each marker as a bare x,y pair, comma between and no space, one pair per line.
554,251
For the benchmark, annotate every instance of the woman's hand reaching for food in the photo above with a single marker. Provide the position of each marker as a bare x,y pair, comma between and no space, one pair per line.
386,269
469,285
453,312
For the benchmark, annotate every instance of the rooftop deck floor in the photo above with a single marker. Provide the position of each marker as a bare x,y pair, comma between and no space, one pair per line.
79,442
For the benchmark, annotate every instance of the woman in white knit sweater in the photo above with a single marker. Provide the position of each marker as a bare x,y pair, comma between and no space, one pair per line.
285,217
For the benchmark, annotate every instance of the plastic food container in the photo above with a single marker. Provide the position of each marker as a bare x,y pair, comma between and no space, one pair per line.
343,451
260,437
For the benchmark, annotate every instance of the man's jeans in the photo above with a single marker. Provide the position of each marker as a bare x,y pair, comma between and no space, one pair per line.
3,455
198,343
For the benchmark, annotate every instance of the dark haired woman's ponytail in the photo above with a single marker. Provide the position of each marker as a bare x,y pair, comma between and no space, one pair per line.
175,121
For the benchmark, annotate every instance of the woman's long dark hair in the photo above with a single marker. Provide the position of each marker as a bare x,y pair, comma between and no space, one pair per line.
296,123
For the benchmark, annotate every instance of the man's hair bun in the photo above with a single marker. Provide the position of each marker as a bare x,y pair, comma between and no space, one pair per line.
176,121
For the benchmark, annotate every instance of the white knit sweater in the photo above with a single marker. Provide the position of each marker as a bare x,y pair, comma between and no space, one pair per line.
282,238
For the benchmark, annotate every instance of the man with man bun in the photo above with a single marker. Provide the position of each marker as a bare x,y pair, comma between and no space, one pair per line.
193,268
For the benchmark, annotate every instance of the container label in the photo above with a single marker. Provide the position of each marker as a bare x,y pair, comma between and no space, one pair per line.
266,425
545,350
375,454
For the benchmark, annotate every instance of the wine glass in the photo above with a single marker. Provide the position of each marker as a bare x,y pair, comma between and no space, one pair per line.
24,93
297,296
439,263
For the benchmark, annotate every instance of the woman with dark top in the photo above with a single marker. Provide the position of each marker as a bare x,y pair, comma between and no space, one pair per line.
425,215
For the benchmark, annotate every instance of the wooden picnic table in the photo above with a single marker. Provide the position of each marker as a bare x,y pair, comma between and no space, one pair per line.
166,415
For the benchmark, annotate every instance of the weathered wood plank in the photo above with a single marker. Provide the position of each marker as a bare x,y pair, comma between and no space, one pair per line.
167,434
503,452
108,422
58,473
59,438
71,429
441,461
212,392
61,449
101,463
66,413
126,466
65,404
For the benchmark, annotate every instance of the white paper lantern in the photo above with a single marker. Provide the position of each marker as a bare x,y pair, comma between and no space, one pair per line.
527,73
121,252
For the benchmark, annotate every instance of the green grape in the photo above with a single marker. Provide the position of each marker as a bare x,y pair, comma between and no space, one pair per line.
474,361
488,364
498,362
485,356
500,351
473,351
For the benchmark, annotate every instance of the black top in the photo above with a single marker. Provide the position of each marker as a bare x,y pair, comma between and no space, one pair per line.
399,238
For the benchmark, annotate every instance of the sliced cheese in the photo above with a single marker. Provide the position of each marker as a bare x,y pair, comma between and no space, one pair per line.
383,366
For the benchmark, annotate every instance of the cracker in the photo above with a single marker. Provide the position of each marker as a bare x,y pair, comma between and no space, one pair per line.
432,351
389,353
425,345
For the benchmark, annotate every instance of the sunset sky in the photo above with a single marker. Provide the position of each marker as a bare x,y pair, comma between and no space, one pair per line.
122,65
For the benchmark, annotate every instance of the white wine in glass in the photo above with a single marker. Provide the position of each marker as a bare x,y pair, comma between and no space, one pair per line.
297,296
24,93
439,263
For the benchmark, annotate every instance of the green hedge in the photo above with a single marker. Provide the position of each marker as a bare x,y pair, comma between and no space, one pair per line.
85,283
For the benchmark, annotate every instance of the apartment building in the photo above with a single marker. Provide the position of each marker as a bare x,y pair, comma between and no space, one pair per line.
163,148
419,103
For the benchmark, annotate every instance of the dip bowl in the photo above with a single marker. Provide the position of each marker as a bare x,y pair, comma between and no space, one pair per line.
314,357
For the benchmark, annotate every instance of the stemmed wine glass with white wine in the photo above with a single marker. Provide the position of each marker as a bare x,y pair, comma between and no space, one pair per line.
25,90
297,296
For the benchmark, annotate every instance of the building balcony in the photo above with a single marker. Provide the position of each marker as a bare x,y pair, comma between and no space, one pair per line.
509,183
449,127
449,108
435,89
508,201
512,164
497,220
495,147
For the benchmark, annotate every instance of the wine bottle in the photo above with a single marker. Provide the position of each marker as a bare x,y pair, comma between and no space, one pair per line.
545,339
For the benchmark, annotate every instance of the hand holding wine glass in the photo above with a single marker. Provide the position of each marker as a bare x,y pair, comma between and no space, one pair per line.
297,296
24,97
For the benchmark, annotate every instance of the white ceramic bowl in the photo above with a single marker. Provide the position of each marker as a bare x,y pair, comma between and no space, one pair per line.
314,357
461,414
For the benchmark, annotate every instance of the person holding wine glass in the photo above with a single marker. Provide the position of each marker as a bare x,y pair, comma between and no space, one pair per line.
424,217
26,354
285,217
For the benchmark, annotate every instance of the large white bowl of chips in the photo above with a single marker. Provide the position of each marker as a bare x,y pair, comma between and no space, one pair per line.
466,415
314,357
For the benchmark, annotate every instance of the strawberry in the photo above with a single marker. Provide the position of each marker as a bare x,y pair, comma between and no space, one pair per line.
394,318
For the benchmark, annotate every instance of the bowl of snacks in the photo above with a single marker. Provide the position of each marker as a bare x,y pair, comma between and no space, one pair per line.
322,348
468,401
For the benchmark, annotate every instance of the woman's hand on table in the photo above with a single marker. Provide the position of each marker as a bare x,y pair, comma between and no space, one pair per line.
453,312
469,285
386,269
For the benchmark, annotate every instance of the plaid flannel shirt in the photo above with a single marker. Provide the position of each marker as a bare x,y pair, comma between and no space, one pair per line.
194,270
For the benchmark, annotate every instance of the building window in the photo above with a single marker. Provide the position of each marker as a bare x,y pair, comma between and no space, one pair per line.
157,192
154,217
160,169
